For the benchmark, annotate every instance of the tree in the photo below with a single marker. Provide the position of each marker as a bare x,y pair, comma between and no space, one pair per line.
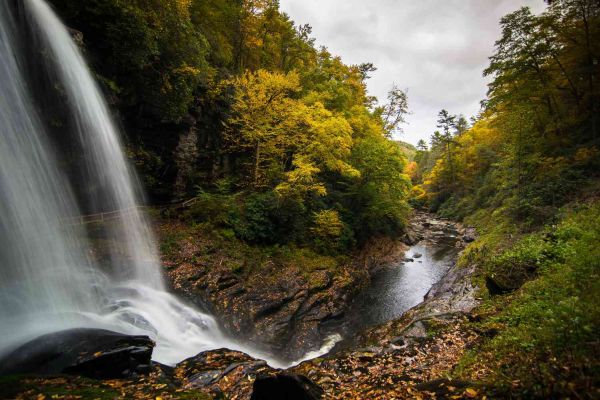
394,112
447,122
573,32
263,115
379,194
422,145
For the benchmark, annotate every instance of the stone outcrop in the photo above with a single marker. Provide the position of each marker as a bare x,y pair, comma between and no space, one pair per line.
240,376
95,353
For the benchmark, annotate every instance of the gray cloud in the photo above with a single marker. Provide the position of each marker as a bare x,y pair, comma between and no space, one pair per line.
437,49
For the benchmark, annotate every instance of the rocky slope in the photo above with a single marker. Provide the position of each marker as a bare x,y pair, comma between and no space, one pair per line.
281,308
402,358
406,358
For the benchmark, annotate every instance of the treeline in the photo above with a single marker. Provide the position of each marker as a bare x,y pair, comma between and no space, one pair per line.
525,173
230,101
535,144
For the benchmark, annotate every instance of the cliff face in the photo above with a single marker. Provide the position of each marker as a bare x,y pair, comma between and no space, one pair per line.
288,311
283,307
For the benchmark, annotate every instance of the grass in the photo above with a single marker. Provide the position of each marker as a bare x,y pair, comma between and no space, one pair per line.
542,339
215,242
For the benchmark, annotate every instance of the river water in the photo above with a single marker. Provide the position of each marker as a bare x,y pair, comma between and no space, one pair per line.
401,285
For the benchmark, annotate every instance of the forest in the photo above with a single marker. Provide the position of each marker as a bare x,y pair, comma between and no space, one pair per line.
279,194
231,102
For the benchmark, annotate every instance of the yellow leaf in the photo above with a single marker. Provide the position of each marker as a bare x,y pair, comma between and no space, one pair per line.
471,393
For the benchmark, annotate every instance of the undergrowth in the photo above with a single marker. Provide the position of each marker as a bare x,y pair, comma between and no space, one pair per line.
540,340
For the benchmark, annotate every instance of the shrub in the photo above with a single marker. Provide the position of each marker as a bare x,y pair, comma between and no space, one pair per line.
547,346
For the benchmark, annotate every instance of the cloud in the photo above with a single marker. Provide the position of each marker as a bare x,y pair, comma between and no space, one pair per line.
437,49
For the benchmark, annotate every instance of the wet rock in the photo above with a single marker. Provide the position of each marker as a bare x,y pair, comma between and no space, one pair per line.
285,386
454,293
398,341
222,371
94,353
417,330
410,237
77,37
417,255
408,259
469,235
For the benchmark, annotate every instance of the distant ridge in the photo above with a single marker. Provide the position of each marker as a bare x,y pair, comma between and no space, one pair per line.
408,149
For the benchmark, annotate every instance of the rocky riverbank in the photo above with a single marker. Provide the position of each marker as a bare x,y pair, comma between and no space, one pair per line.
404,358
280,305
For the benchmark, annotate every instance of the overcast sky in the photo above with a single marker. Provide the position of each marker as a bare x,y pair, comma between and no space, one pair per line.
436,49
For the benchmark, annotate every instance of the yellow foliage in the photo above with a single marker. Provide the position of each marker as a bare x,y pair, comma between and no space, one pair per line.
585,154
411,169
470,156
301,180
327,224
269,122
187,70
183,7
418,193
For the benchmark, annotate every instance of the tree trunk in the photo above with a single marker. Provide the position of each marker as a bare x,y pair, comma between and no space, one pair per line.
256,163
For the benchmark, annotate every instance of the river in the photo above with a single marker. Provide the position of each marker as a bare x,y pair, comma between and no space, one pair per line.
397,287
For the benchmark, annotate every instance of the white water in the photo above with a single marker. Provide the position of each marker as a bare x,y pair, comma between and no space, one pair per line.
47,280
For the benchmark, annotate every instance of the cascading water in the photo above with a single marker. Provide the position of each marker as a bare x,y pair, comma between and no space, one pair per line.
106,163
48,282
39,258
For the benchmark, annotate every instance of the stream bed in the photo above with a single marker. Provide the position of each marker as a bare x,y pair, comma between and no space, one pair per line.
397,287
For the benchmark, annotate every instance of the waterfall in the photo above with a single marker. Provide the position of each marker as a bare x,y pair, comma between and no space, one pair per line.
106,163
48,281
39,257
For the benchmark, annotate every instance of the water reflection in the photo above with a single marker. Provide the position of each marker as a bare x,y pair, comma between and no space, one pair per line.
400,286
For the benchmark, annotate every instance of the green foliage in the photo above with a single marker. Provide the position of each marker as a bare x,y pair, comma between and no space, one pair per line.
547,330
258,223
234,90
525,153
380,194
149,48
327,230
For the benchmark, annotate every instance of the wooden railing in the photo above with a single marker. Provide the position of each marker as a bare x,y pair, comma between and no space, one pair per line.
113,215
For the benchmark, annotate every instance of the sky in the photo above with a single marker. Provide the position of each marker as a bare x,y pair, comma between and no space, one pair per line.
436,50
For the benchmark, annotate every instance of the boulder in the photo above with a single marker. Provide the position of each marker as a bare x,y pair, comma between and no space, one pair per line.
285,386
94,353
469,235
